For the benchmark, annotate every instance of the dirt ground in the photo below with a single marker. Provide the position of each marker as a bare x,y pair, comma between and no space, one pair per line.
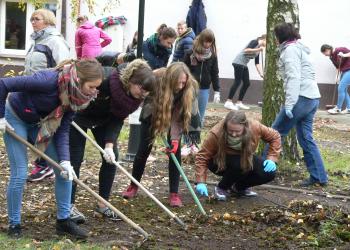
274,220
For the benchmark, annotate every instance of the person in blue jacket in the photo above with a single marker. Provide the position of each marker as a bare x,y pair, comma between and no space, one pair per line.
184,41
40,108
158,47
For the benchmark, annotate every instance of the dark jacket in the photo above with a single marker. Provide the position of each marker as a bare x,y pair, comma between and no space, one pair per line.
209,148
154,53
34,97
205,72
345,62
183,44
111,106
196,17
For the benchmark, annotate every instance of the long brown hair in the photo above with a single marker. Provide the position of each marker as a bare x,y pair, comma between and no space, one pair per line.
87,69
206,35
163,97
236,117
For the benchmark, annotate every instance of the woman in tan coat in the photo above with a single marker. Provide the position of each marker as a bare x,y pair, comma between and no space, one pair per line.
229,151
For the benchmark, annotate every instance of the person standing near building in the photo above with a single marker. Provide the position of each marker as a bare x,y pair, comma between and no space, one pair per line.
88,39
158,47
48,49
184,41
302,98
340,59
202,61
251,51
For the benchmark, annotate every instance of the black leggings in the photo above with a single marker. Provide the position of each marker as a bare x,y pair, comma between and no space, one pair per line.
77,147
241,74
233,173
143,152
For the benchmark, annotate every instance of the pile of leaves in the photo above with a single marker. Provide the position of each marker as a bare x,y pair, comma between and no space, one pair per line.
303,223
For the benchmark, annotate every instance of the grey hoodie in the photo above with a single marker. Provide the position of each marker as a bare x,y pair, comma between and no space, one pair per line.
54,40
297,72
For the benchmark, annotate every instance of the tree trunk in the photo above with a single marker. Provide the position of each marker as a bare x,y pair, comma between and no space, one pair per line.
278,11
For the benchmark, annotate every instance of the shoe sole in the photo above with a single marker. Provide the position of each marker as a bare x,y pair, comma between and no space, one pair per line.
49,174
59,233
100,215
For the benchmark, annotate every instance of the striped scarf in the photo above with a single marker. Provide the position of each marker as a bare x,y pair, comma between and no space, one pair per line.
71,98
200,55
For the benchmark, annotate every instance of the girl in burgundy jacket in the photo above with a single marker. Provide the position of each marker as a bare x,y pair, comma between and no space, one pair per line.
120,94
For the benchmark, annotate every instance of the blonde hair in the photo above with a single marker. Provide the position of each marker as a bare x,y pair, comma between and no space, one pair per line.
164,95
236,117
48,16
138,72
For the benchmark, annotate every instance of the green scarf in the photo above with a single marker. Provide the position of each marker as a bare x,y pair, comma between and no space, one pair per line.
234,143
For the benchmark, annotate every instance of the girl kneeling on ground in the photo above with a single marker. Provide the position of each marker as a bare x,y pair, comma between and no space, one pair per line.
168,109
120,94
229,151
40,109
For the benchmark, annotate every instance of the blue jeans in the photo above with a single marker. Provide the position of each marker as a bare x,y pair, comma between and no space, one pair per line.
17,155
343,90
304,112
203,98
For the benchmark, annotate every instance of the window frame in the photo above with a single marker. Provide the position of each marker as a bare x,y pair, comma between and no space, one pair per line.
17,53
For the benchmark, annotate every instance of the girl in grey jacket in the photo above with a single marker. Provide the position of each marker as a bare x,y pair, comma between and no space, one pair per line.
302,100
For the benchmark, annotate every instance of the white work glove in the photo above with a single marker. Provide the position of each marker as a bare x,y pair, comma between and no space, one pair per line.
216,97
68,171
4,124
341,54
109,155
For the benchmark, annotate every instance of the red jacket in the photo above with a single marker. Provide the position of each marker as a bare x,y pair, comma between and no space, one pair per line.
345,61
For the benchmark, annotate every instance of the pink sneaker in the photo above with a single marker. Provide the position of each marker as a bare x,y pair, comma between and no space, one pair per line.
130,192
175,200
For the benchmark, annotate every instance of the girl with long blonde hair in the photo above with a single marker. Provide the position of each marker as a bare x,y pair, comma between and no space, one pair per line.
167,110
229,151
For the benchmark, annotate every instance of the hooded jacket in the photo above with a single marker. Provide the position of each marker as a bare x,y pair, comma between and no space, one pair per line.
297,72
154,53
183,44
54,41
87,41
196,17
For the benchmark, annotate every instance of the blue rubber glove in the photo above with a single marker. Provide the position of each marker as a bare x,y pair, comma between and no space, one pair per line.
289,113
201,188
269,166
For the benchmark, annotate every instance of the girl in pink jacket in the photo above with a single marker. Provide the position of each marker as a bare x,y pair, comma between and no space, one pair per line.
87,39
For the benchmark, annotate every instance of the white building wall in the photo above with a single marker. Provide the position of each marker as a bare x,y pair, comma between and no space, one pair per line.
235,23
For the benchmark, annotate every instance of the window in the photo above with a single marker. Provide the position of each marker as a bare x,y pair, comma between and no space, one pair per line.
15,27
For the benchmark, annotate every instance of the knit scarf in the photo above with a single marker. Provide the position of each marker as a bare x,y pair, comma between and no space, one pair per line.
200,55
71,98
234,143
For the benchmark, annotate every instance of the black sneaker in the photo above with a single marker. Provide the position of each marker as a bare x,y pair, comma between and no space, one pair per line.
15,231
247,192
70,228
311,182
108,213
